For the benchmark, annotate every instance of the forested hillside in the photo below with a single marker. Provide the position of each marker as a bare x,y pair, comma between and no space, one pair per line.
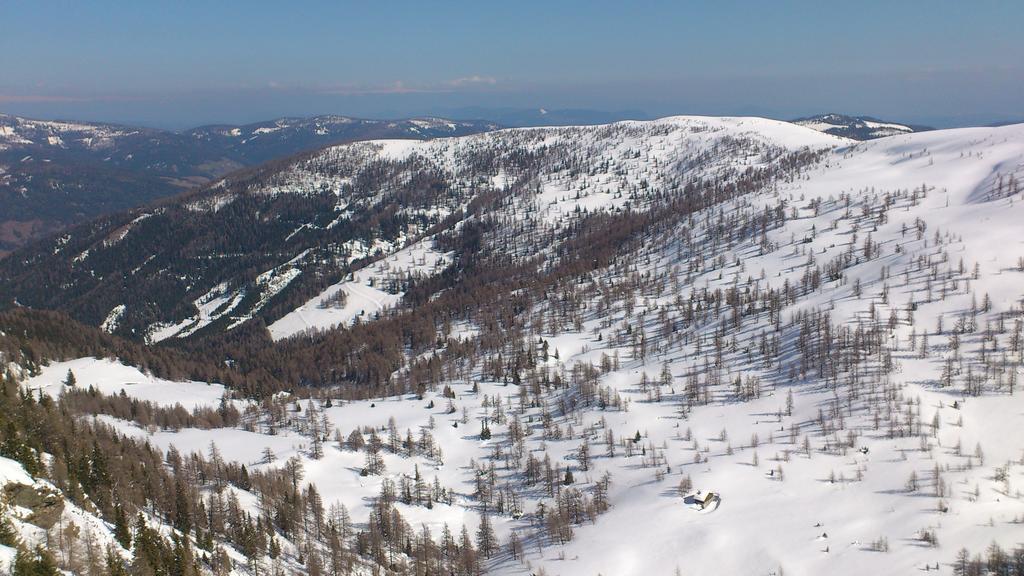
56,173
690,345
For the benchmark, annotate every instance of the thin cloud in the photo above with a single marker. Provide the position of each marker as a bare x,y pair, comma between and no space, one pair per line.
473,81
28,98
463,83
398,87
37,99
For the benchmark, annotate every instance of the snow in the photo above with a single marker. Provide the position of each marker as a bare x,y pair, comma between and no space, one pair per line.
363,295
213,305
9,135
763,524
397,149
432,123
210,203
820,126
270,283
111,377
650,529
242,446
13,472
833,502
887,126
110,323
832,122
120,234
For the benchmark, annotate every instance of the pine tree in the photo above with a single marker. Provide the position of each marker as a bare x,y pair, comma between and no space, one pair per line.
181,563
122,534
583,455
374,462
912,481
8,534
115,564
486,541
963,561
37,562
182,507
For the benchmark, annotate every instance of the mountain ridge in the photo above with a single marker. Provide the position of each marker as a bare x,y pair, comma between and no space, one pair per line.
318,182
53,173
857,127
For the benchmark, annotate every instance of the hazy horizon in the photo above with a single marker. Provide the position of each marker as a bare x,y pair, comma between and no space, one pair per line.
186,65
495,114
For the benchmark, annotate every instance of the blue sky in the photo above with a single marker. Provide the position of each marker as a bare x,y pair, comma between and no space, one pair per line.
177,64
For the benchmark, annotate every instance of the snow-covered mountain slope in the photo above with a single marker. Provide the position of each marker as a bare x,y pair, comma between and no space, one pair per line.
371,290
827,334
247,144
53,173
33,508
320,215
262,141
857,127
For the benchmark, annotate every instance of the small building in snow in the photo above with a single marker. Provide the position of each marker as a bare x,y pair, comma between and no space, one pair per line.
704,499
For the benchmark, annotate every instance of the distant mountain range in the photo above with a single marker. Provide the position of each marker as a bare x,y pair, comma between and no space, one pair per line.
857,127
523,117
54,173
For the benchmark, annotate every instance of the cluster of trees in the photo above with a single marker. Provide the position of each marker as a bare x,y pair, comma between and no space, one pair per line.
996,561
135,487
88,400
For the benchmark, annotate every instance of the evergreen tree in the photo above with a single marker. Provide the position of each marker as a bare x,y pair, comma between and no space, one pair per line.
37,562
486,541
115,564
182,507
8,534
122,534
